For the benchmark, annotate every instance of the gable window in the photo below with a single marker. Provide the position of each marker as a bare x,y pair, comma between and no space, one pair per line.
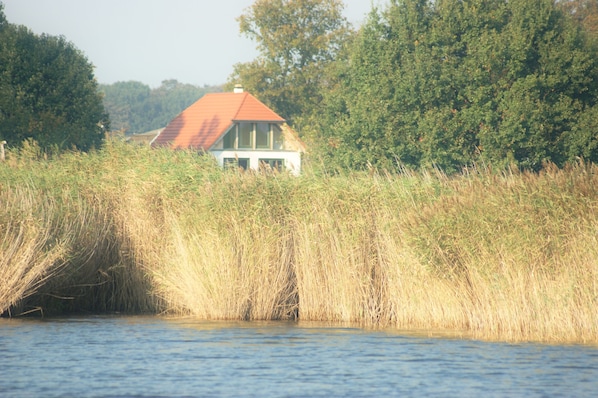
245,135
277,137
262,136
228,141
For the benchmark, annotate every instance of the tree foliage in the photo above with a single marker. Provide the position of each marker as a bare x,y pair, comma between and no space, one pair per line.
136,108
297,40
47,91
451,82
584,12
3,21
124,102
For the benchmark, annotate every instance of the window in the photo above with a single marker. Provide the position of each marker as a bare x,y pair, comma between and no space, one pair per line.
245,136
272,164
262,136
228,142
277,138
241,163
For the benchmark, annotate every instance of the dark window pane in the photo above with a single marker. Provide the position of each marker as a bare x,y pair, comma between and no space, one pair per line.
242,163
262,136
228,142
272,164
246,135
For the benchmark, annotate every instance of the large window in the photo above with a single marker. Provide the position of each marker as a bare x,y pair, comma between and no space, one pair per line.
262,136
272,164
241,163
244,135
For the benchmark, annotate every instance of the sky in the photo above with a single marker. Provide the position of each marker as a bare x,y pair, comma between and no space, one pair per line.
193,41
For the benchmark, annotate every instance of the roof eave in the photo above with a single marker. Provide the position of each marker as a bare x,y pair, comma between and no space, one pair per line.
282,121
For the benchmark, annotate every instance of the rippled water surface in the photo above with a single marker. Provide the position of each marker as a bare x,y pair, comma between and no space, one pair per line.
152,356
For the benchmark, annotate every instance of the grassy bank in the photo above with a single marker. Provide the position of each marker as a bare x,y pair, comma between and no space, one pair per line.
511,256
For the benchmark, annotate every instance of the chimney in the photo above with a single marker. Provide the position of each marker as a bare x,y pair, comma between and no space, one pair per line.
238,89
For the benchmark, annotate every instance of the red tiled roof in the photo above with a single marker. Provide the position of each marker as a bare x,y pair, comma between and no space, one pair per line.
201,125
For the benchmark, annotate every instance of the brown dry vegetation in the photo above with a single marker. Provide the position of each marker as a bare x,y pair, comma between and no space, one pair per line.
512,256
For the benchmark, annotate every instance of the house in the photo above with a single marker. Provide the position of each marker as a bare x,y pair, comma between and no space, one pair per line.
238,130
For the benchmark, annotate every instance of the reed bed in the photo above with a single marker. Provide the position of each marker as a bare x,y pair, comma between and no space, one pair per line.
500,255
30,254
79,262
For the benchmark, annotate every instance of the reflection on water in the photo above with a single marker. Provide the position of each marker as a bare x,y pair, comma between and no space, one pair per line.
151,356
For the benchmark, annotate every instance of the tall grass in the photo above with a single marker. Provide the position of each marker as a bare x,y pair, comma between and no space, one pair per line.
229,255
510,255
77,257
30,254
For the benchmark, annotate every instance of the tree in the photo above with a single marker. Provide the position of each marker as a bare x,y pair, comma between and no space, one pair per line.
48,92
3,21
451,82
366,119
297,40
548,79
584,12
374,115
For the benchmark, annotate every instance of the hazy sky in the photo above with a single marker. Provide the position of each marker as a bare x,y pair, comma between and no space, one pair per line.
193,41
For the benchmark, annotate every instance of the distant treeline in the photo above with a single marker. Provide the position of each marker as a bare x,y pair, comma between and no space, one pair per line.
136,108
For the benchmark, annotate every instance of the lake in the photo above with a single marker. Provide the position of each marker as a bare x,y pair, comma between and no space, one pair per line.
184,357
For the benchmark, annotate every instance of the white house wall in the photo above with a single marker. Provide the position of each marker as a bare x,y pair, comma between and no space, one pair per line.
292,159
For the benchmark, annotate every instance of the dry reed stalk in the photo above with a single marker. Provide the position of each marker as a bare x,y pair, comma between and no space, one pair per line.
326,279
30,255
416,298
237,273
138,230
510,247
340,275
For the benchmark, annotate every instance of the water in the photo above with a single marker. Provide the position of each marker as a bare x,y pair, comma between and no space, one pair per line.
158,357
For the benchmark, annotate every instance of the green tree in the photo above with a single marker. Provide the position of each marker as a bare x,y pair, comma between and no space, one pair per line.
366,119
3,21
48,92
548,80
451,82
297,40
584,12
371,117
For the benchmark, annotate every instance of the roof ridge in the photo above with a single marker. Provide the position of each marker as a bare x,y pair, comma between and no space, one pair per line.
245,96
